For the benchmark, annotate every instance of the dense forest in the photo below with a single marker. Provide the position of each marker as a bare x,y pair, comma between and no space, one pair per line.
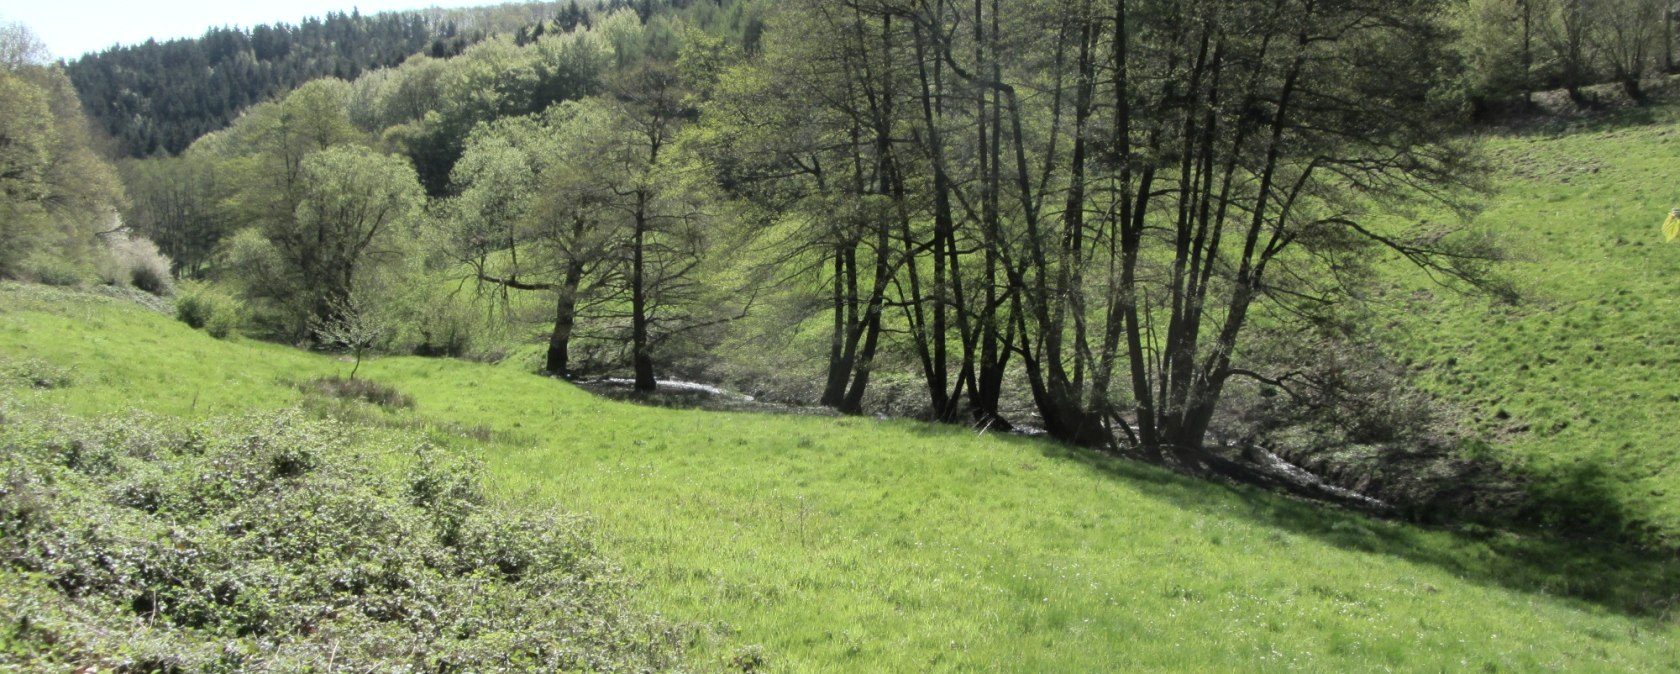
157,98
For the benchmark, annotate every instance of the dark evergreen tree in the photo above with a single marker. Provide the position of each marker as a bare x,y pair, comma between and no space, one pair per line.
157,98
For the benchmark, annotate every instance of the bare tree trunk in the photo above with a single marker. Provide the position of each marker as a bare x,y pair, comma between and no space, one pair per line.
841,343
1668,39
565,318
641,358
881,114
1631,87
943,403
987,390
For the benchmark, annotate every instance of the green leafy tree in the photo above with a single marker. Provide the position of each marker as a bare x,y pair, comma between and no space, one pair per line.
57,192
1499,42
807,132
623,32
352,324
176,202
352,214
570,66
353,206
532,214
434,105
1567,29
1628,38
664,230
264,152
1101,194
25,156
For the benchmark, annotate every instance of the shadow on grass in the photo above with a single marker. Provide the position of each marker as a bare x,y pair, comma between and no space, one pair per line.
1595,121
1613,576
1606,108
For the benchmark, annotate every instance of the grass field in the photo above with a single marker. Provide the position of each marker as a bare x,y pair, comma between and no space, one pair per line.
843,545
1577,380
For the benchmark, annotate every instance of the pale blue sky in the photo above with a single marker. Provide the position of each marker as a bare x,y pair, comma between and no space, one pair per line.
73,27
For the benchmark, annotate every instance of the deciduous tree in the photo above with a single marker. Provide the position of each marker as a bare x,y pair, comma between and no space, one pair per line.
1628,37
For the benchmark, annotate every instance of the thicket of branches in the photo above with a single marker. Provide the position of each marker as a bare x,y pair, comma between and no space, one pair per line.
1062,212
1514,48
1090,200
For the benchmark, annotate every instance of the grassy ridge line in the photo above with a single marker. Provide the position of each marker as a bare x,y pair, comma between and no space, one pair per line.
848,545
1576,380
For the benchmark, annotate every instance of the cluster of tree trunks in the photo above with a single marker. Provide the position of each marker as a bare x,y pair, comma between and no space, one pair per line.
1094,195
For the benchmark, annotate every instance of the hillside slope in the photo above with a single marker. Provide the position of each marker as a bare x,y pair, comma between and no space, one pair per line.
859,545
1576,380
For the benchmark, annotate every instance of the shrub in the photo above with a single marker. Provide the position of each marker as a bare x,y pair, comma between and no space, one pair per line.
279,542
353,325
441,326
224,323
426,318
276,304
371,392
202,306
54,272
34,373
136,261
749,660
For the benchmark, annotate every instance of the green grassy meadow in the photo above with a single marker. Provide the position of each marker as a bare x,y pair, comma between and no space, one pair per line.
844,545
854,544
1577,380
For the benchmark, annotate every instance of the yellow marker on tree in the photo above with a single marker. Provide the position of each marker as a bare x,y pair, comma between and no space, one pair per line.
1671,226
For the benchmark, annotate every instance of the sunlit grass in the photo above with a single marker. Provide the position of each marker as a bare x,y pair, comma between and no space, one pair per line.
845,545
1576,381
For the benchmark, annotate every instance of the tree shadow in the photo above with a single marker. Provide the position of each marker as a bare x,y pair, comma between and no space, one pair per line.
1595,119
1566,550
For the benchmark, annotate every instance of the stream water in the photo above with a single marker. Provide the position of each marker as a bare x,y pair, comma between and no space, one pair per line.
706,396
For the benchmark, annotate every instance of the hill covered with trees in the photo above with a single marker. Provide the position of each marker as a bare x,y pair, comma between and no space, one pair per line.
158,97
1112,223
1210,249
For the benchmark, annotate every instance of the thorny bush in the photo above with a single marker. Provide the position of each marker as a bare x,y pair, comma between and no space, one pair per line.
280,542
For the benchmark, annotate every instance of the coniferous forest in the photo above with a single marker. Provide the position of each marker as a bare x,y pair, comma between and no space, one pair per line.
157,98
1021,335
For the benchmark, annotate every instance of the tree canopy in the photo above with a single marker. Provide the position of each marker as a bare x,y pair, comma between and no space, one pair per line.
1068,213
57,191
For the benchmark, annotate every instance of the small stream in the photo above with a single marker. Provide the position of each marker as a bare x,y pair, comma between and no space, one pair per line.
695,395
665,385
679,394
1283,469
